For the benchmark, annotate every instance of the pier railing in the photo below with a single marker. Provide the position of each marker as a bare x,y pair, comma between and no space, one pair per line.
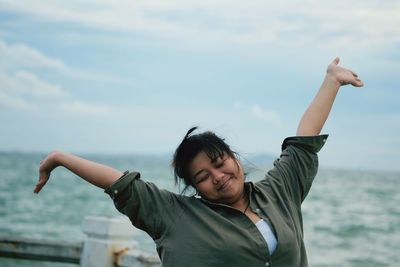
109,242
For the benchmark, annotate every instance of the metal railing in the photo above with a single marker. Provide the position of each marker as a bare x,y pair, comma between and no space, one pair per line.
109,242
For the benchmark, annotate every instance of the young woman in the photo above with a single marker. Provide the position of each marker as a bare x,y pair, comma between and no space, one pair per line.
229,222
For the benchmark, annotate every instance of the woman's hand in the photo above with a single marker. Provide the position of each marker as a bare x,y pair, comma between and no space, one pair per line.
342,75
317,112
45,169
95,173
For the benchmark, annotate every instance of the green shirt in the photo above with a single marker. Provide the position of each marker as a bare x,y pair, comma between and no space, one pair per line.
190,231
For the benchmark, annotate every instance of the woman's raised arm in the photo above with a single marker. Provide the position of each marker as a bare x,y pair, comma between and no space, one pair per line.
317,113
97,174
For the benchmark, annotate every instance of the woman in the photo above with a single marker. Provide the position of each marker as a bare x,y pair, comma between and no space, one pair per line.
229,222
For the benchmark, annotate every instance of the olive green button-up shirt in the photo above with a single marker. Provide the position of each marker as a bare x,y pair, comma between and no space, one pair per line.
190,231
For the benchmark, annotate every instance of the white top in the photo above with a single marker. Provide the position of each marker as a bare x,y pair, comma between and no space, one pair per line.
268,235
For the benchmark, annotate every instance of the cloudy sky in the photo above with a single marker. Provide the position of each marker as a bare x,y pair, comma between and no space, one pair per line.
103,76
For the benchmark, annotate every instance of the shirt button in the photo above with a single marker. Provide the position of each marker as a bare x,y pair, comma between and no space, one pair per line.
115,191
267,264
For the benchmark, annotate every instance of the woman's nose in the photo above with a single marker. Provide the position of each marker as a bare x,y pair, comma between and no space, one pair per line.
218,176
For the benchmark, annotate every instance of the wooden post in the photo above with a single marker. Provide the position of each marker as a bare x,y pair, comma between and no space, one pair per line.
107,239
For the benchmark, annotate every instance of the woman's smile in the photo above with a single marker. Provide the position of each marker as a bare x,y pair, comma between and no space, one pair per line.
218,180
225,185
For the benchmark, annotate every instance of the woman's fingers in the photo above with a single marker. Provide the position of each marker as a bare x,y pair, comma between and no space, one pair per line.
46,166
336,60
343,75
43,178
358,83
38,187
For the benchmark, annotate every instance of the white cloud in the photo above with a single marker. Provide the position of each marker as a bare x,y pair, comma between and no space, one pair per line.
17,84
21,89
82,109
15,102
336,23
29,83
263,114
22,56
17,88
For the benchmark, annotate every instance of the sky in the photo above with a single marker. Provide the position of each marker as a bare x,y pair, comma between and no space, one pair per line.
131,77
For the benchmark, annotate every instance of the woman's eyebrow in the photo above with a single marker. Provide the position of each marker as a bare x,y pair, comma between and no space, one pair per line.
219,157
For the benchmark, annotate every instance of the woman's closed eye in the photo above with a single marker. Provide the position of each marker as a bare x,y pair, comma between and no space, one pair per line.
202,178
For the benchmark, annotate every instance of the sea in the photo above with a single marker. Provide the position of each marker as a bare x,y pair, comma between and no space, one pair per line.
351,217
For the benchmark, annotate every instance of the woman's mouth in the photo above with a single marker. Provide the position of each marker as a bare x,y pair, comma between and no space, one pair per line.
224,185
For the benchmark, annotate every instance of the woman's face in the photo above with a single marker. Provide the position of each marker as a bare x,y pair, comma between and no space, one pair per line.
219,181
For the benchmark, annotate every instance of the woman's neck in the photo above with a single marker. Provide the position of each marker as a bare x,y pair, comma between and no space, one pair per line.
243,203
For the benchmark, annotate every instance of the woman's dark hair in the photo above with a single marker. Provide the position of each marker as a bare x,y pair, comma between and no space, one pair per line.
191,145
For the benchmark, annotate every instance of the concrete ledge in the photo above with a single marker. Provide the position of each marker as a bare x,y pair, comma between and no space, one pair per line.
110,228
138,258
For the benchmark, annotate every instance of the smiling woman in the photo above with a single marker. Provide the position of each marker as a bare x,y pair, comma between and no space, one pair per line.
229,222
212,168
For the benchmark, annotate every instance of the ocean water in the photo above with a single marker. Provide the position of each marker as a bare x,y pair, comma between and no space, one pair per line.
351,218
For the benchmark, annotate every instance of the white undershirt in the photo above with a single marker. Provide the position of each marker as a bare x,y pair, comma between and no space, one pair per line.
268,235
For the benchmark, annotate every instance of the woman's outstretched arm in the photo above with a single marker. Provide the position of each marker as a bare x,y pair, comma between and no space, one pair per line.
97,174
317,113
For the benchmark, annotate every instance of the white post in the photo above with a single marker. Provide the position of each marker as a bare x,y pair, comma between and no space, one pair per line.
107,239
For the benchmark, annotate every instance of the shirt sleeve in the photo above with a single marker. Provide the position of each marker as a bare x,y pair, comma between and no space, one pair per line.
148,207
297,165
